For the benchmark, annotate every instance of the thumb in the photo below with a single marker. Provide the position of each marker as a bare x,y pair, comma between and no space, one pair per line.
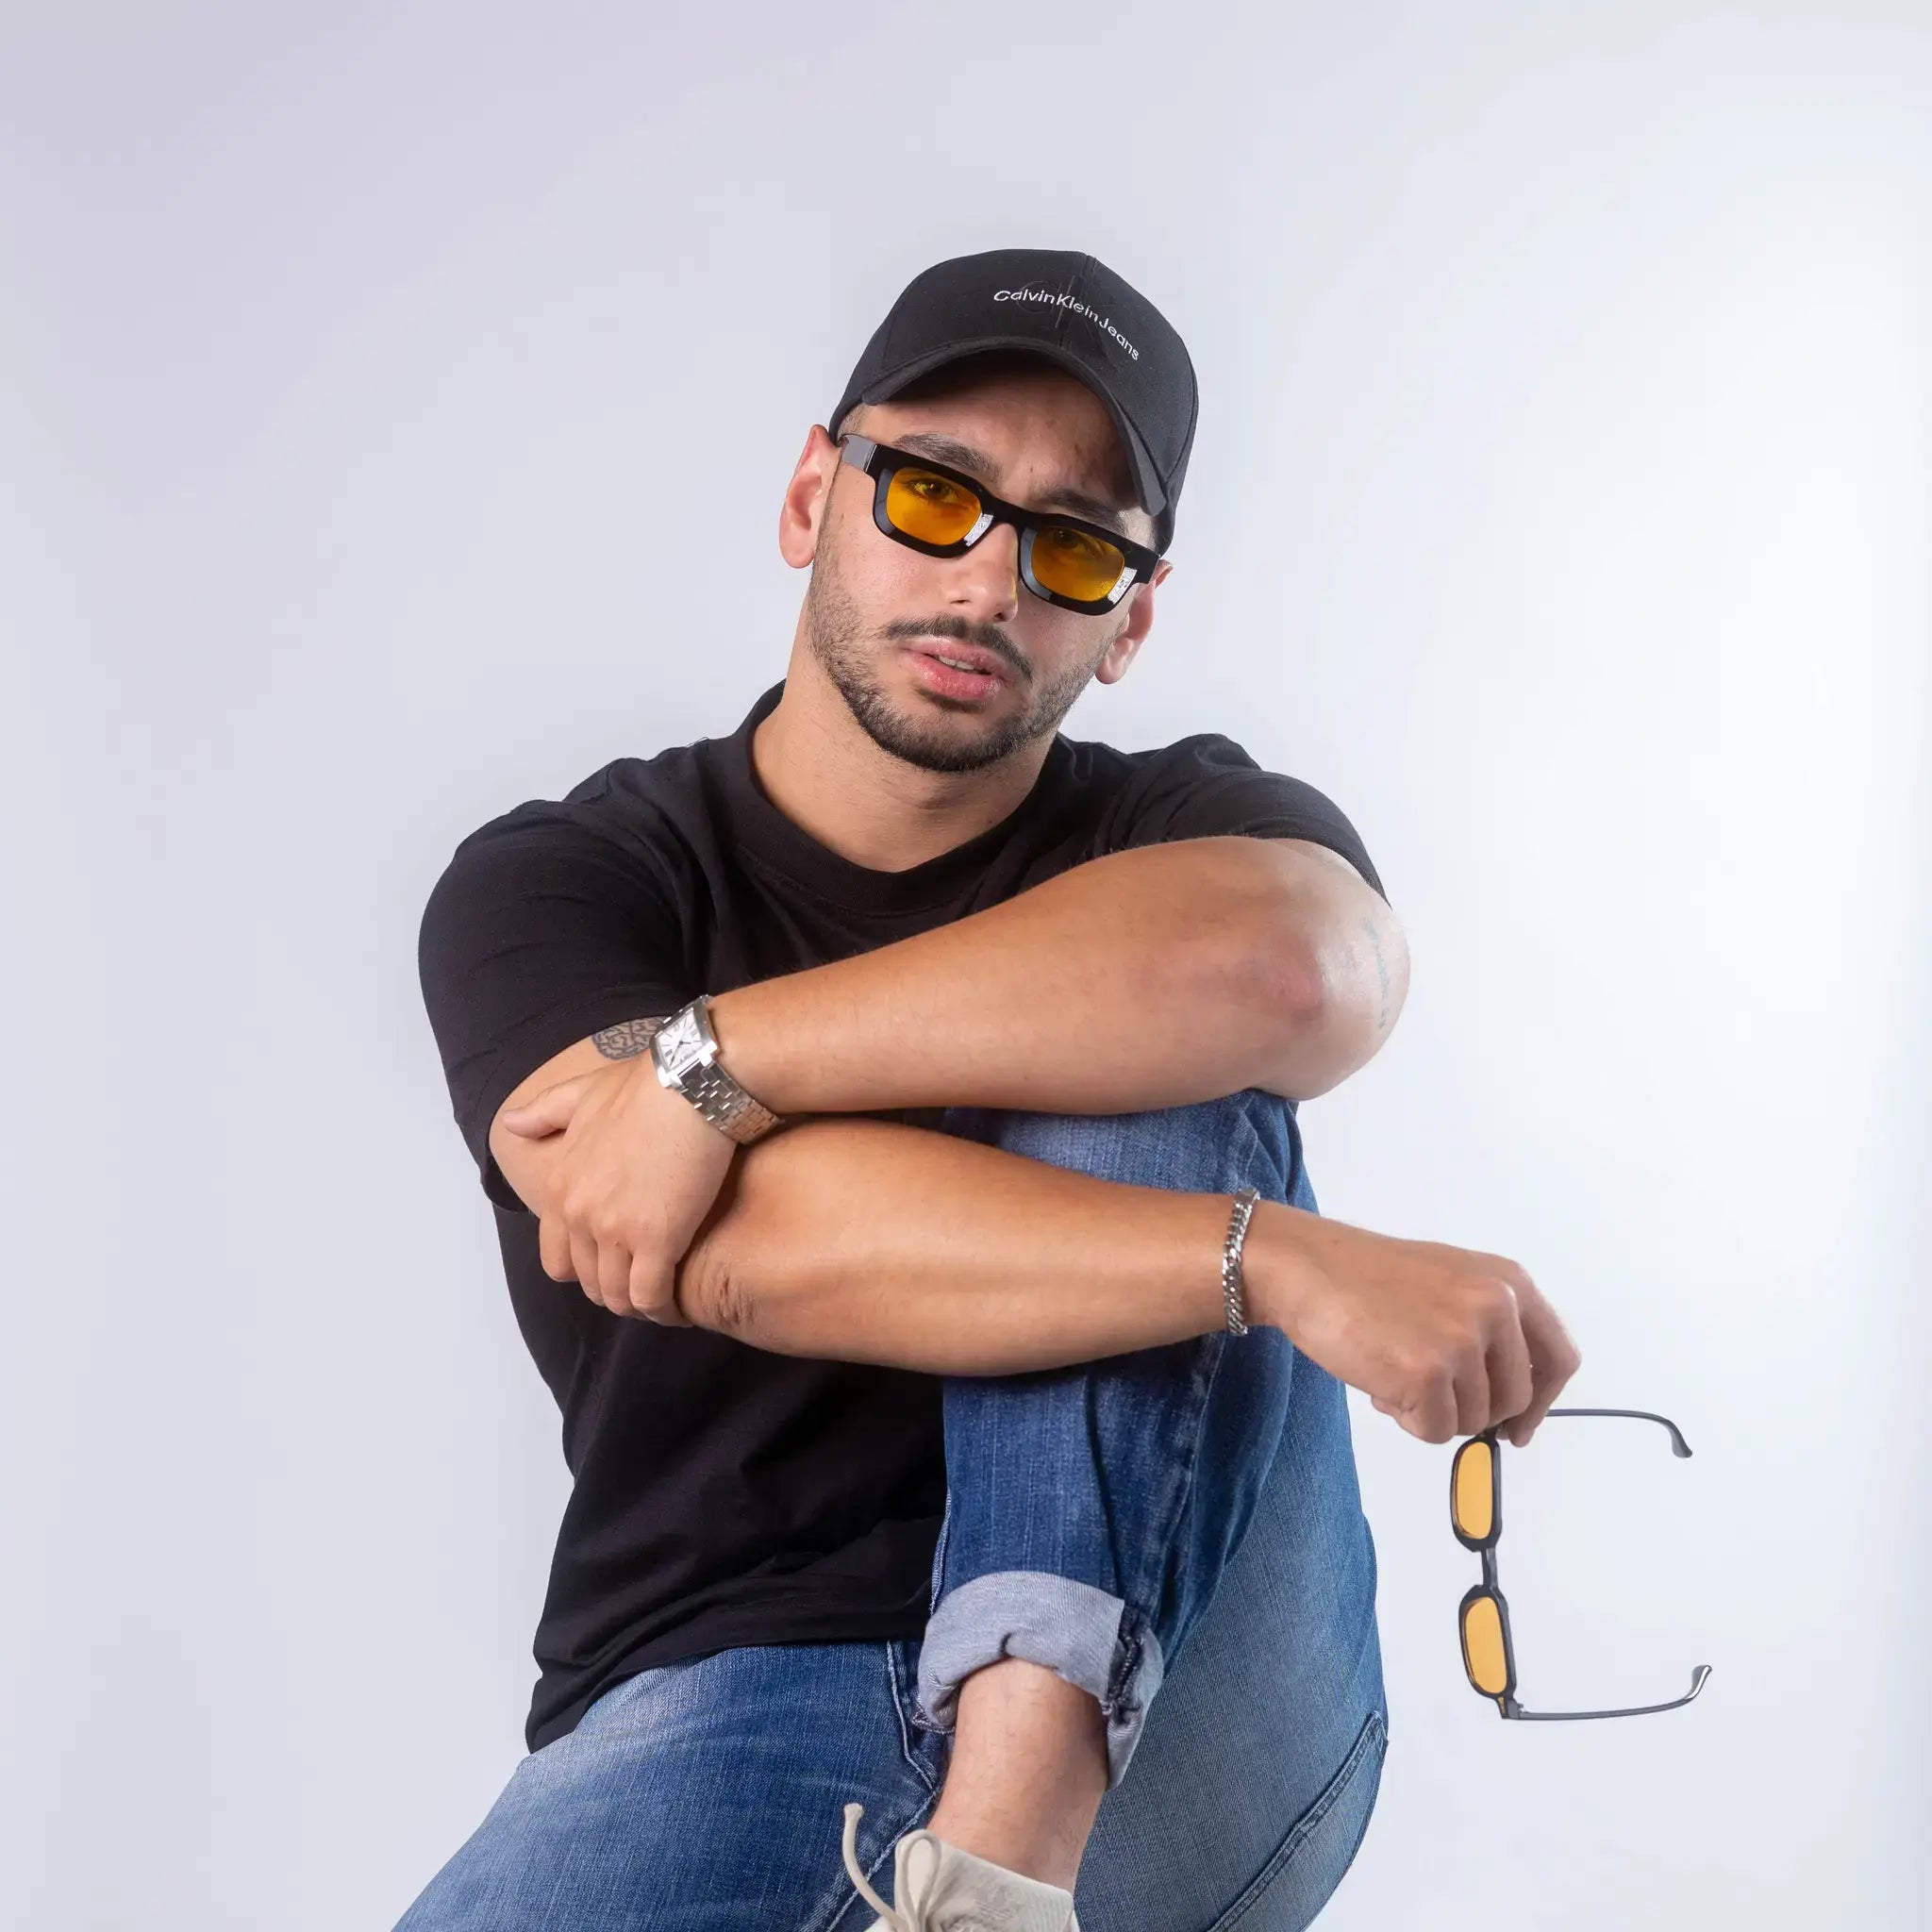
547,1112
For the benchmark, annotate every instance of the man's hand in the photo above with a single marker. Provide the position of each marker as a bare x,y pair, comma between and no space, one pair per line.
1447,1341
637,1171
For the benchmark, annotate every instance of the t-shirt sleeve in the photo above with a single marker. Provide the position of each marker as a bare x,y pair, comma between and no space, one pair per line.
1207,786
539,930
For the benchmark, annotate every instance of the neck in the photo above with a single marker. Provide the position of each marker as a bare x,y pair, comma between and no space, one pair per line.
819,767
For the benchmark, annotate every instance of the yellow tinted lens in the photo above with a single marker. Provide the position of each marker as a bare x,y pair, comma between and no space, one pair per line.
1072,564
933,509
1483,1654
1472,1492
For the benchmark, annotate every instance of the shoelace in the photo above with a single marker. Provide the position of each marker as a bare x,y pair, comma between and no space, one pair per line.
914,1921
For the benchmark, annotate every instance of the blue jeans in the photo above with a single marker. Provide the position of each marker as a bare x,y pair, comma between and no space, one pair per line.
1176,1530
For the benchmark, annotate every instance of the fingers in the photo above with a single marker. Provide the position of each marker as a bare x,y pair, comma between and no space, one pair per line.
1484,1378
1444,1340
1433,1413
587,1263
552,1247
1472,1400
601,1269
653,1293
1554,1358
609,1273
613,1276
636,1284
543,1113
1512,1381
1492,1380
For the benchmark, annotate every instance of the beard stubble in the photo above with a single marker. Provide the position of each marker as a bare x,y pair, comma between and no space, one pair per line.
851,656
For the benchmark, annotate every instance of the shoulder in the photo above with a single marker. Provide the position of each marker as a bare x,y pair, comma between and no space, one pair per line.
616,852
628,804
1205,784
1199,750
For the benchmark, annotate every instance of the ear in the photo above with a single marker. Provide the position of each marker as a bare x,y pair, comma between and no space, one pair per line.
1139,622
802,514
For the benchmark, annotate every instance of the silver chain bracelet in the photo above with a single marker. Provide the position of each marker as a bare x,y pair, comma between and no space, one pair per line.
1231,1258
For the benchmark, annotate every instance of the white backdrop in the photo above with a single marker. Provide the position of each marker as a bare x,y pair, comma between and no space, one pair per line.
393,409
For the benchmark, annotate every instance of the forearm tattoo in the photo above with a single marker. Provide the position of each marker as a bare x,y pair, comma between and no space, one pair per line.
628,1038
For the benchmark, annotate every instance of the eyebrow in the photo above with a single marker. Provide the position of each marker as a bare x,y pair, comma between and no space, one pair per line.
962,456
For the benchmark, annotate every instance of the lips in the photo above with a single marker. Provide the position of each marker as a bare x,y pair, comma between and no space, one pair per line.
970,656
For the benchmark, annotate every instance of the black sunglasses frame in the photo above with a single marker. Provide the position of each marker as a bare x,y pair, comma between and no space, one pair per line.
1488,1588
881,462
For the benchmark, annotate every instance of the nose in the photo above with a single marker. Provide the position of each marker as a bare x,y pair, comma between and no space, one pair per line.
985,583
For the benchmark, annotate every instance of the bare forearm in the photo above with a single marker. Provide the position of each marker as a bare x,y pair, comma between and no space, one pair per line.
864,1240
1146,979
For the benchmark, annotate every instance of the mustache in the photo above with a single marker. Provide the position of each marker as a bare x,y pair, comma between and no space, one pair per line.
989,637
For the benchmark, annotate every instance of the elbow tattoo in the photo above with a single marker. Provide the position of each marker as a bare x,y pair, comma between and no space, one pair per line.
1381,976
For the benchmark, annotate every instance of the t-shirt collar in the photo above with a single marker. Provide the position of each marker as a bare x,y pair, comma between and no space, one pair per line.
774,841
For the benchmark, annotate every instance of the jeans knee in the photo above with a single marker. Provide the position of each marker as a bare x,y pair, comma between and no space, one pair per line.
1248,1138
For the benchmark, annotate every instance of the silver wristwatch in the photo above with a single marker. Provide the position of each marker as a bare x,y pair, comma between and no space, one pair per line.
684,1050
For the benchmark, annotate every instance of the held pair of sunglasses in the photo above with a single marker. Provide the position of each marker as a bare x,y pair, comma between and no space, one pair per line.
1475,1513
924,505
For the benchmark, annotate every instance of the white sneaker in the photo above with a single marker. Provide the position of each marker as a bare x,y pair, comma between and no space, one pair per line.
937,1886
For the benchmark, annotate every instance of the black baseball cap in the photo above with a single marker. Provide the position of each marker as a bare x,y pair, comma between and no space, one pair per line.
1074,312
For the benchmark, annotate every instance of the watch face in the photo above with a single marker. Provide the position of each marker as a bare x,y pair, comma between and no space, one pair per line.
679,1042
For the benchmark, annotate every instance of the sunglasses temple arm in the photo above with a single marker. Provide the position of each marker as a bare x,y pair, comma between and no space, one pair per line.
1552,1717
1678,1446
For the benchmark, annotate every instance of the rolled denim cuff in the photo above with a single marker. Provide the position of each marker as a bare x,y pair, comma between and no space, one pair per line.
1075,1631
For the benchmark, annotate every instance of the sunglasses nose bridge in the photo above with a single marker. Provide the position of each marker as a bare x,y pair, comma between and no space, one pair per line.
991,561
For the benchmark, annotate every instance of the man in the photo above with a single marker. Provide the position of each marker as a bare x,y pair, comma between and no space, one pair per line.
953,1382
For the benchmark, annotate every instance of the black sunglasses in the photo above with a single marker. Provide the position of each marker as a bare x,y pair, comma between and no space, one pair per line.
928,508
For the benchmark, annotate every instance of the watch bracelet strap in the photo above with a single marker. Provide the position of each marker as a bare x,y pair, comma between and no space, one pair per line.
726,1104
1231,1258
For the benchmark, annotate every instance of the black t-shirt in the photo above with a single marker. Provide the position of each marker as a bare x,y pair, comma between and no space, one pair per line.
723,1496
